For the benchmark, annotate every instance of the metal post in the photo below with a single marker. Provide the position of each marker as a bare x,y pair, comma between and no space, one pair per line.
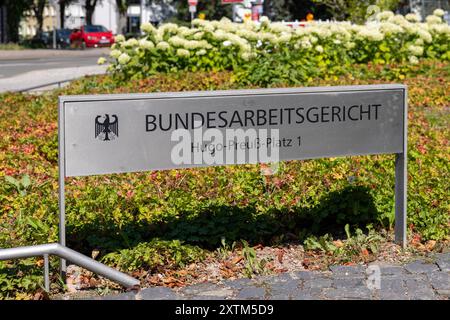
401,181
62,197
46,273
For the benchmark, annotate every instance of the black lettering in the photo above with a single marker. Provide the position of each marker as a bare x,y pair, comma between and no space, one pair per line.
149,122
261,115
193,114
178,120
316,115
364,112
161,123
323,114
272,116
224,120
249,118
209,119
300,115
349,113
376,110
237,120
335,111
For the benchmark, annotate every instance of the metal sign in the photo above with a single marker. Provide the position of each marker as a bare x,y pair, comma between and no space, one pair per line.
102,134
192,2
192,9
128,133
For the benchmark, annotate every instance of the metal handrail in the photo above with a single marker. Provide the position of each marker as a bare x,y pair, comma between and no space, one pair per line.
71,255
46,85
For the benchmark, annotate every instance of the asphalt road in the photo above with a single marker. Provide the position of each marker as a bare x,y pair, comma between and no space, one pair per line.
23,69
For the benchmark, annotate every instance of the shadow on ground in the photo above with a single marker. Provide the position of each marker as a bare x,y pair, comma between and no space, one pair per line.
353,205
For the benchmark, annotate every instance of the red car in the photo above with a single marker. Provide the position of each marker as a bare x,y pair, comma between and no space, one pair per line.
91,36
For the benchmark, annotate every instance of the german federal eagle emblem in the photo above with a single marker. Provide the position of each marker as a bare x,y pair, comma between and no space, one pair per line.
106,129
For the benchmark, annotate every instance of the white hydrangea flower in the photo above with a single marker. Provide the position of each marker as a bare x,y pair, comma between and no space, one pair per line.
201,52
264,20
124,58
119,38
413,17
163,46
115,53
132,42
384,15
319,48
145,44
147,27
372,34
183,53
350,45
415,50
101,60
305,44
227,43
433,19
177,41
439,13
198,35
169,27
390,28
425,35
413,60
419,42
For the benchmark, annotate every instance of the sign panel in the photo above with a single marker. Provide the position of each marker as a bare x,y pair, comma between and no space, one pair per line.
139,132
192,2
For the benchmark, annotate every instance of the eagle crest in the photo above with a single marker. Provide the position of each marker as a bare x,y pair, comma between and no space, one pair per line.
106,130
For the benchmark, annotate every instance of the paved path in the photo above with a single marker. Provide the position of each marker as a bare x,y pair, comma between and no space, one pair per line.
23,69
417,280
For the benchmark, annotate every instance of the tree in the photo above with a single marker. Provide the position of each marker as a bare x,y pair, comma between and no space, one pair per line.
355,10
15,10
90,7
37,7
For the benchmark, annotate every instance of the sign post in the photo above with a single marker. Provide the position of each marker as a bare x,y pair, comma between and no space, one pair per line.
103,134
192,8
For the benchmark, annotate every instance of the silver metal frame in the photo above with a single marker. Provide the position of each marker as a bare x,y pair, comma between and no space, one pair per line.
61,251
400,162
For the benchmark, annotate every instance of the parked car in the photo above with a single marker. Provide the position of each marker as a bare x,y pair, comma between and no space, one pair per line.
91,36
41,40
63,38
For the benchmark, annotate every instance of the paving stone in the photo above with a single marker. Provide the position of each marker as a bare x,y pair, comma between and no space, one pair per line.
319,282
443,256
444,265
439,280
251,293
157,293
390,295
392,270
200,288
302,275
443,293
392,284
348,293
217,293
348,270
121,296
311,294
238,283
349,282
421,267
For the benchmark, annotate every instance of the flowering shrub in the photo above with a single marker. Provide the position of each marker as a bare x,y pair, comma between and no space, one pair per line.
305,51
